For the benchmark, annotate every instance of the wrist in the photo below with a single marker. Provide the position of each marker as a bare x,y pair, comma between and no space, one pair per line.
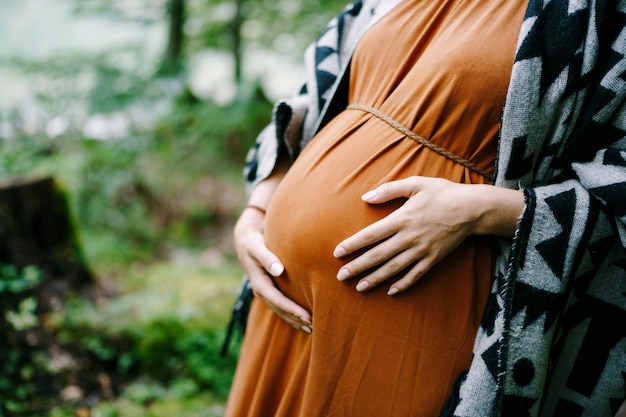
250,219
502,209
254,207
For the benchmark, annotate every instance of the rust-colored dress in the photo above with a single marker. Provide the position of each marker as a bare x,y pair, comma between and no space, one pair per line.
440,68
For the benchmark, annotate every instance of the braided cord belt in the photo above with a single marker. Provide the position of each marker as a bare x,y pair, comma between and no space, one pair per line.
422,141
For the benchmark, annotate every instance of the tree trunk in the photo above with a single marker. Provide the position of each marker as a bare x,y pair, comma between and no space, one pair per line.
40,266
173,52
237,41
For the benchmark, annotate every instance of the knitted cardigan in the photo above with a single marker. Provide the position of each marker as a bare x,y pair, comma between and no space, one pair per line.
553,337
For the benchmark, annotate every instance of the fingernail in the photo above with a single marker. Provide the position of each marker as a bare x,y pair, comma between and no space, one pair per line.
343,274
362,286
306,321
306,329
339,252
276,269
393,291
370,195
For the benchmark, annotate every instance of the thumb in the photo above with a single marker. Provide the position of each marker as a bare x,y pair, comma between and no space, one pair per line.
261,255
271,263
275,268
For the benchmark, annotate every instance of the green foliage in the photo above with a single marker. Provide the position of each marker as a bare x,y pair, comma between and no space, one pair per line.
17,301
169,350
14,281
204,135
115,87
287,25
113,195
130,195
24,316
209,22
130,198
136,188
146,398
167,327
19,373
17,156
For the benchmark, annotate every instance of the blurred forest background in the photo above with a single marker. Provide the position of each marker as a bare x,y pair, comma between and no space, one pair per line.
124,126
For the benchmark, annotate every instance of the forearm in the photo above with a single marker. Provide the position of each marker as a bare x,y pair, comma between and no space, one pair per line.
262,194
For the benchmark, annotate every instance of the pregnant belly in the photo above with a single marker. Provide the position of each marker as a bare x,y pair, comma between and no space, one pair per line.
318,203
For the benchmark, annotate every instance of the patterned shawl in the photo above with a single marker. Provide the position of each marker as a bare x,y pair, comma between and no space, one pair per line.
553,337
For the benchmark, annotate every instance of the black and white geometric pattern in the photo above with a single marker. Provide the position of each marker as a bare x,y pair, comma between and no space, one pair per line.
554,343
553,338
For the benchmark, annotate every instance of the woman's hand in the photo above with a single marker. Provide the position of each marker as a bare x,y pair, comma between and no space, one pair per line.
261,265
437,216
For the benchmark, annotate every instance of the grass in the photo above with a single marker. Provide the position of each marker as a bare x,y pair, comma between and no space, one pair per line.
168,324
146,399
187,290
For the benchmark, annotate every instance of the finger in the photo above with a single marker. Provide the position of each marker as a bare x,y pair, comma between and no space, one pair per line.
385,227
388,257
266,258
291,312
402,188
367,236
396,266
413,275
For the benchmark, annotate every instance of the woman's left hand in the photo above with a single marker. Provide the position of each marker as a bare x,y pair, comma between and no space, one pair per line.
437,216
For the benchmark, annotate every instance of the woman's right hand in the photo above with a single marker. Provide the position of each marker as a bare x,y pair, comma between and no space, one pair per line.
261,266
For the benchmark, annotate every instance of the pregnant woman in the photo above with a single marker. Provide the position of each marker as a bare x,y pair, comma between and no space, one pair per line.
374,233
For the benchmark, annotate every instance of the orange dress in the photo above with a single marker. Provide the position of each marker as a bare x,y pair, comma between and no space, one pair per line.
440,68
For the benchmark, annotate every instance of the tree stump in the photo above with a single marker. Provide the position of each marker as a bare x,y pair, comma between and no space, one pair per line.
41,263
36,229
